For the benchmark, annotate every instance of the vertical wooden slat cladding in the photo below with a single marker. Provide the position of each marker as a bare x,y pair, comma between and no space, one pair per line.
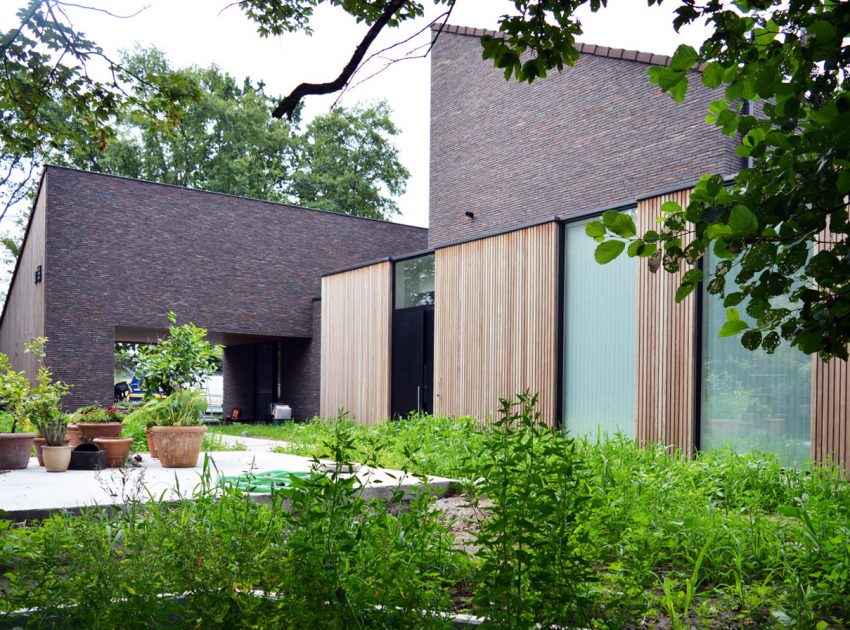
666,347
830,406
24,316
495,322
356,312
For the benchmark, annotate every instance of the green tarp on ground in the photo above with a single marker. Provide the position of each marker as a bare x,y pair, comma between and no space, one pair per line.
263,481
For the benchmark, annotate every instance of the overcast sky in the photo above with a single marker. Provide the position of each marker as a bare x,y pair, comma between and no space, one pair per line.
202,32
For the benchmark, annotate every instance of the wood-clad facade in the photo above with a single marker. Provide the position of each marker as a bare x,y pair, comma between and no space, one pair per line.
496,322
499,329
23,317
666,347
355,363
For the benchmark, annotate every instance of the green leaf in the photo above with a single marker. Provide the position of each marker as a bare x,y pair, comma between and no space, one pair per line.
608,251
595,229
712,75
717,229
692,275
751,339
670,207
742,221
732,314
684,58
619,223
732,328
684,290
733,299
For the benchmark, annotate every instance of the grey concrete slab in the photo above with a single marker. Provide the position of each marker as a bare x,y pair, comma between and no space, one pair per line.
35,493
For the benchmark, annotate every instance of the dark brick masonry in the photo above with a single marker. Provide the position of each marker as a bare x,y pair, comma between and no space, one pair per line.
123,252
594,135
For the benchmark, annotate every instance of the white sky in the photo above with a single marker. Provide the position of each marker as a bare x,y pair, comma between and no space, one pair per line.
202,32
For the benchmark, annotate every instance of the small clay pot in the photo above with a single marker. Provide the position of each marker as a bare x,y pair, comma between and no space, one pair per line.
40,442
56,458
151,444
116,449
91,430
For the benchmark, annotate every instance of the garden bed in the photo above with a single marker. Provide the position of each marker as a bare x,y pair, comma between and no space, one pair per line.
552,531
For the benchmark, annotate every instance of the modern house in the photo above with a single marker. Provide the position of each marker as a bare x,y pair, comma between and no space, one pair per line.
499,296
509,297
106,258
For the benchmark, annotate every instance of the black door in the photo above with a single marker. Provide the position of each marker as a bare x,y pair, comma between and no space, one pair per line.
413,361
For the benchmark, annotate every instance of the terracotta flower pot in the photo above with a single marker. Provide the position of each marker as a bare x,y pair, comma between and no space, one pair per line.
91,430
179,447
40,443
56,458
74,436
116,449
15,450
151,444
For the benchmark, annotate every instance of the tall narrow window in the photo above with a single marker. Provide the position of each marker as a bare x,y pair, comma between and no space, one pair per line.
752,400
599,339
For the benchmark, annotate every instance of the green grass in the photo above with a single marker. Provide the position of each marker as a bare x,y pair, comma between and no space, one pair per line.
422,444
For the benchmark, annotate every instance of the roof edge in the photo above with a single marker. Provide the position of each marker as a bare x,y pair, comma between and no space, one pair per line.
230,195
638,56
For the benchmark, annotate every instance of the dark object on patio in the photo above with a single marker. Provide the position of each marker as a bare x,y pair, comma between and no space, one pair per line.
122,391
87,457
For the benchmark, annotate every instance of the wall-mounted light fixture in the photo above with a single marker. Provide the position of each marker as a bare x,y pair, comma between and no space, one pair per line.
470,214
37,278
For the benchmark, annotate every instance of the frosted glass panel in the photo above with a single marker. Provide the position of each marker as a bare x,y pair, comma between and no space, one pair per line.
753,400
599,339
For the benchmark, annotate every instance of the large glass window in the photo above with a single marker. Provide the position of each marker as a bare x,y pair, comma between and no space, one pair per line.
599,339
414,282
752,400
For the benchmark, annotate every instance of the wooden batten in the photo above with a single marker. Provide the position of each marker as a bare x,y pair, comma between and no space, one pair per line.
356,320
496,322
666,347
830,405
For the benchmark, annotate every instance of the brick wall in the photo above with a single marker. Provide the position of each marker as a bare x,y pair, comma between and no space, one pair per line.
594,135
122,252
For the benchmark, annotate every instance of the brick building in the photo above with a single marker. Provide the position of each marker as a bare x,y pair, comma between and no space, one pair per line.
106,258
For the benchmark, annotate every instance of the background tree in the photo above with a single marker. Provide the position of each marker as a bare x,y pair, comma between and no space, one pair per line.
343,162
225,140
768,228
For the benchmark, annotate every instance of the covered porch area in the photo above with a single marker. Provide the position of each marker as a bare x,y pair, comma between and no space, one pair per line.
258,370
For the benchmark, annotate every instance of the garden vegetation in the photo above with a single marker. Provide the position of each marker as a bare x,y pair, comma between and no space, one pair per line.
567,533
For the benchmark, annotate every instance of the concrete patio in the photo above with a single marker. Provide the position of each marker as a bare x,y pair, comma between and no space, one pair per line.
35,493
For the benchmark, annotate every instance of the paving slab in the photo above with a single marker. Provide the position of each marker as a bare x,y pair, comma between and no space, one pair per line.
35,493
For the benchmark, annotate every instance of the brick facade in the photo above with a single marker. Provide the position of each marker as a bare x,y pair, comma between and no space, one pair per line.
123,252
594,135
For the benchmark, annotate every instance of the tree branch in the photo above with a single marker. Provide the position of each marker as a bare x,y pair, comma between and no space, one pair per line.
287,105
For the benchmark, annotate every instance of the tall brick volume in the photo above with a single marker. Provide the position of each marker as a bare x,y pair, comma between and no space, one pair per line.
594,135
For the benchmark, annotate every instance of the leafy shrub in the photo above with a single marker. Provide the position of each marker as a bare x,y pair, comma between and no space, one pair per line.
533,479
97,414
181,361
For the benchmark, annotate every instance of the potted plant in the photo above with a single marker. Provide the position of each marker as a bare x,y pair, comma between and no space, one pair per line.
144,416
23,403
94,421
116,448
178,432
55,452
